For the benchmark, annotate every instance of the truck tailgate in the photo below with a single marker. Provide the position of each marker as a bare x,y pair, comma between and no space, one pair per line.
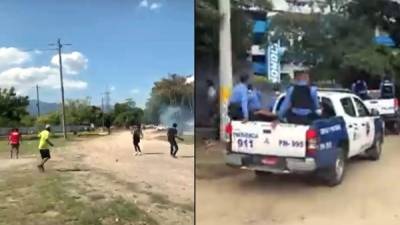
286,140
384,106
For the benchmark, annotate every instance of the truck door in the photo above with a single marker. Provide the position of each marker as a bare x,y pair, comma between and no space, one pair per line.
353,124
366,121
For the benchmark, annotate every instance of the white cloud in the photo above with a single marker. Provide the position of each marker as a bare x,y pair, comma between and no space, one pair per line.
135,91
155,6
144,4
190,79
10,57
73,63
150,5
23,79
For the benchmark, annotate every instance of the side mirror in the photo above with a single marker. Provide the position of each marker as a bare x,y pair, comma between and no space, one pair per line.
374,112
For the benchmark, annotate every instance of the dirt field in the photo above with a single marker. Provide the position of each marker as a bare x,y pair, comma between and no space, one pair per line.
100,181
369,194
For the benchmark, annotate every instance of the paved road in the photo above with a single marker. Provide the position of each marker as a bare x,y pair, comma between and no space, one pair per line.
370,195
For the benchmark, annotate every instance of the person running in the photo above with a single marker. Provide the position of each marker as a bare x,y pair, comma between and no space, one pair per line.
301,104
44,143
172,134
137,135
14,140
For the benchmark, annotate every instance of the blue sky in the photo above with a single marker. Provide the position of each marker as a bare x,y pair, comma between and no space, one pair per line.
123,44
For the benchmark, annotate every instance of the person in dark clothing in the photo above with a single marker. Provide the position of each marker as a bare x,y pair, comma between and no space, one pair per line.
172,134
238,103
387,87
360,88
301,104
137,135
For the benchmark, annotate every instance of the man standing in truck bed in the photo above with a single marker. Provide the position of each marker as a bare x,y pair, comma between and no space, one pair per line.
301,102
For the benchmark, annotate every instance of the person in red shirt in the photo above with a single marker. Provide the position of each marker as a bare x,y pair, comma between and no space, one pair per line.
14,139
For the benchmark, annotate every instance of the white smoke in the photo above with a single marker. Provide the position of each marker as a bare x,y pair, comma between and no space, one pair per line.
182,116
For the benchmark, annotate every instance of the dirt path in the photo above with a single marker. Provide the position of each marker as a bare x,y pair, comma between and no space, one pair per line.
155,169
369,195
106,168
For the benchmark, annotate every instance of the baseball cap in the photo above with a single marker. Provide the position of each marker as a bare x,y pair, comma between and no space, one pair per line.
47,126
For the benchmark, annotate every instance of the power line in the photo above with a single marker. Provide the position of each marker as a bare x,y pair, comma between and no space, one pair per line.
59,47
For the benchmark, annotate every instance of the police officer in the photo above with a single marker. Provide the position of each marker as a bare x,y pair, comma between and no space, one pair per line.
238,103
254,100
300,105
360,88
386,87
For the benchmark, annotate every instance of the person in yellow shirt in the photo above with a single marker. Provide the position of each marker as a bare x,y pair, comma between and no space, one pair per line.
44,144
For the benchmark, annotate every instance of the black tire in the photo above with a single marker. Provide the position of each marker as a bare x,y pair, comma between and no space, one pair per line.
335,174
375,152
396,127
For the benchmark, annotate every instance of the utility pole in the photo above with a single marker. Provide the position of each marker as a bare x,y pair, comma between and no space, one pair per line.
225,64
102,109
37,100
63,122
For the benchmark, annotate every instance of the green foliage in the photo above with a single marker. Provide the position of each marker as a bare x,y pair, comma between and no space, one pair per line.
130,117
170,91
50,118
125,114
382,13
207,27
12,107
28,121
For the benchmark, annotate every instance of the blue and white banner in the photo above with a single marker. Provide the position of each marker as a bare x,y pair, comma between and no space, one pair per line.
273,62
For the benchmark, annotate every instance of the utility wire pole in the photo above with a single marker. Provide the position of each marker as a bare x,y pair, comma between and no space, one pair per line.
37,100
102,109
225,63
63,122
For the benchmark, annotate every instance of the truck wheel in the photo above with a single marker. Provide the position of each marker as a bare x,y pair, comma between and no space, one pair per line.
374,153
396,128
334,175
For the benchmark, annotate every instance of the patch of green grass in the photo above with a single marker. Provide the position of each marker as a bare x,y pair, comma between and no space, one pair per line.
50,199
31,146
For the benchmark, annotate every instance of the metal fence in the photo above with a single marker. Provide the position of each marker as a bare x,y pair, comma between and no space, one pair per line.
4,131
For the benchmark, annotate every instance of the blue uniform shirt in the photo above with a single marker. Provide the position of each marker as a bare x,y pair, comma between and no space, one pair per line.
240,96
271,103
363,84
254,100
298,111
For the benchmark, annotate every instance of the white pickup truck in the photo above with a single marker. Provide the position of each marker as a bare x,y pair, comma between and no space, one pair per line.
346,129
388,109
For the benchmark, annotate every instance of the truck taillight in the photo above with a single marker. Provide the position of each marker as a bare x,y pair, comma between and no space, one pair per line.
228,129
311,142
396,103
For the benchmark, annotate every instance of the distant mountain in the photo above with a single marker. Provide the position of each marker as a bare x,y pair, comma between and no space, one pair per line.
45,107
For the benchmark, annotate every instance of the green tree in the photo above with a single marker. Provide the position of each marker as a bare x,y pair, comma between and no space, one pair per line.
12,107
50,118
207,28
378,13
170,91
